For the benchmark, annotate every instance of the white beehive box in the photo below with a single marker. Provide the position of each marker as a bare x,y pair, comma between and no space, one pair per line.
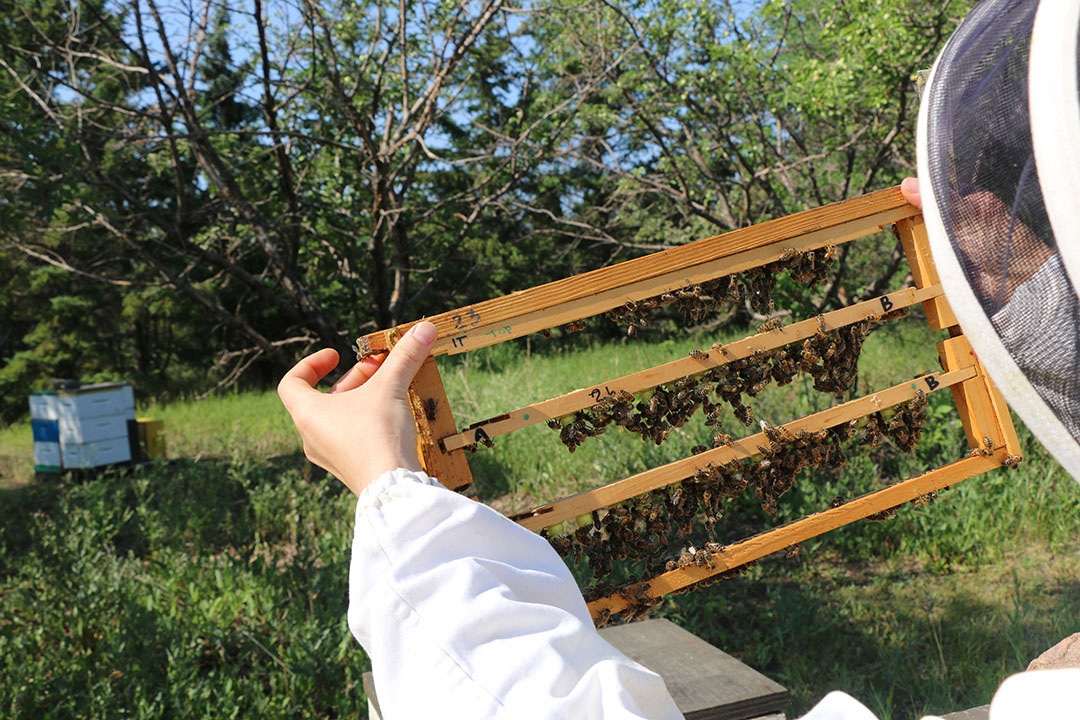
47,454
96,454
92,422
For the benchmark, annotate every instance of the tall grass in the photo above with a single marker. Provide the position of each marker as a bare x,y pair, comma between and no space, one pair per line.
215,583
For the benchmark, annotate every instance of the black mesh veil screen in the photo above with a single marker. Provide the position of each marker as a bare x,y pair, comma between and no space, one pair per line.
986,185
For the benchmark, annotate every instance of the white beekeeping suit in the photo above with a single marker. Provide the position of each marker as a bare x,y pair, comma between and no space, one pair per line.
468,615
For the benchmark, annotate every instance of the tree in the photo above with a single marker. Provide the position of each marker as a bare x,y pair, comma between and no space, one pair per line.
246,182
723,116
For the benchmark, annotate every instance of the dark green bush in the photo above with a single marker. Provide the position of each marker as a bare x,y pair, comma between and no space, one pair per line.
208,589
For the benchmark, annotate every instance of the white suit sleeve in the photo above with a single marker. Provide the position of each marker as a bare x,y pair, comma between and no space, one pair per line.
466,614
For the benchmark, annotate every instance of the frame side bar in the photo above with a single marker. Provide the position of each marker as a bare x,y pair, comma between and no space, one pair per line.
433,416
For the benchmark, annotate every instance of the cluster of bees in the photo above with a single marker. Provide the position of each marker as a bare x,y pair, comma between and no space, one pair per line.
904,427
831,358
668,407
754,287
643,529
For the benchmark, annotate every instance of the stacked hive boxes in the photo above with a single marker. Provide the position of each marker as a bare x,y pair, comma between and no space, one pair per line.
82,428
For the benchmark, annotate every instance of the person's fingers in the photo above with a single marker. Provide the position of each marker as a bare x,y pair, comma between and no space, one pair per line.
304,376
358,374
909,188
403,362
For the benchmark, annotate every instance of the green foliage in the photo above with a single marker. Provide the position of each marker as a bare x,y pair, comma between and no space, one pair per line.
215,584
184,589
187,232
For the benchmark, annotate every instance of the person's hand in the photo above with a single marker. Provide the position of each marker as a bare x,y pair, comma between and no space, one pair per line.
363,427
909,188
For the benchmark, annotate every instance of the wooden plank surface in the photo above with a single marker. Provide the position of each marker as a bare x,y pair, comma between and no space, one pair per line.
585,502
433,417
668,372
771,541
497,319
705,682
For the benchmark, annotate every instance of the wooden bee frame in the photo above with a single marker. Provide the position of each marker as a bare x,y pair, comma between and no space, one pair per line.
986,420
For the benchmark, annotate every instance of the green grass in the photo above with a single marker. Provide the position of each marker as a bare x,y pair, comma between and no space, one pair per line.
215,583
249,425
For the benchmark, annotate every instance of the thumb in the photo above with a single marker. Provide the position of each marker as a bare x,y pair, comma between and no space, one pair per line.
404,361
910,190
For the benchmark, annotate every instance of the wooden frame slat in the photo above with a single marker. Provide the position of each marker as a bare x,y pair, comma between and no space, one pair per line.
1002,415
916,244
972,397
771,541
671,371
433,416
601,497
588,294
982,410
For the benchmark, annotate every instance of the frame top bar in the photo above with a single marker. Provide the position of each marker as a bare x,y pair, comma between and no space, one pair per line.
506,308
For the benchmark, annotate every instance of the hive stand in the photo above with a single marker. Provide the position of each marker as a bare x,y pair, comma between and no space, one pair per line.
982,410
705,682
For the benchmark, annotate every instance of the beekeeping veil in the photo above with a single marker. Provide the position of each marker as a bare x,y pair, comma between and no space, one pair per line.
999,173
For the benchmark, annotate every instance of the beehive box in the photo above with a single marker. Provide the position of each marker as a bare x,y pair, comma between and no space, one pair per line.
82,428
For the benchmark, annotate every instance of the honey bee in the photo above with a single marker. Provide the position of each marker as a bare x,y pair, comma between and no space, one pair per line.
720,439
430,405
699,355
821,330
1012,462
576,326
809,353
924,499
771,324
